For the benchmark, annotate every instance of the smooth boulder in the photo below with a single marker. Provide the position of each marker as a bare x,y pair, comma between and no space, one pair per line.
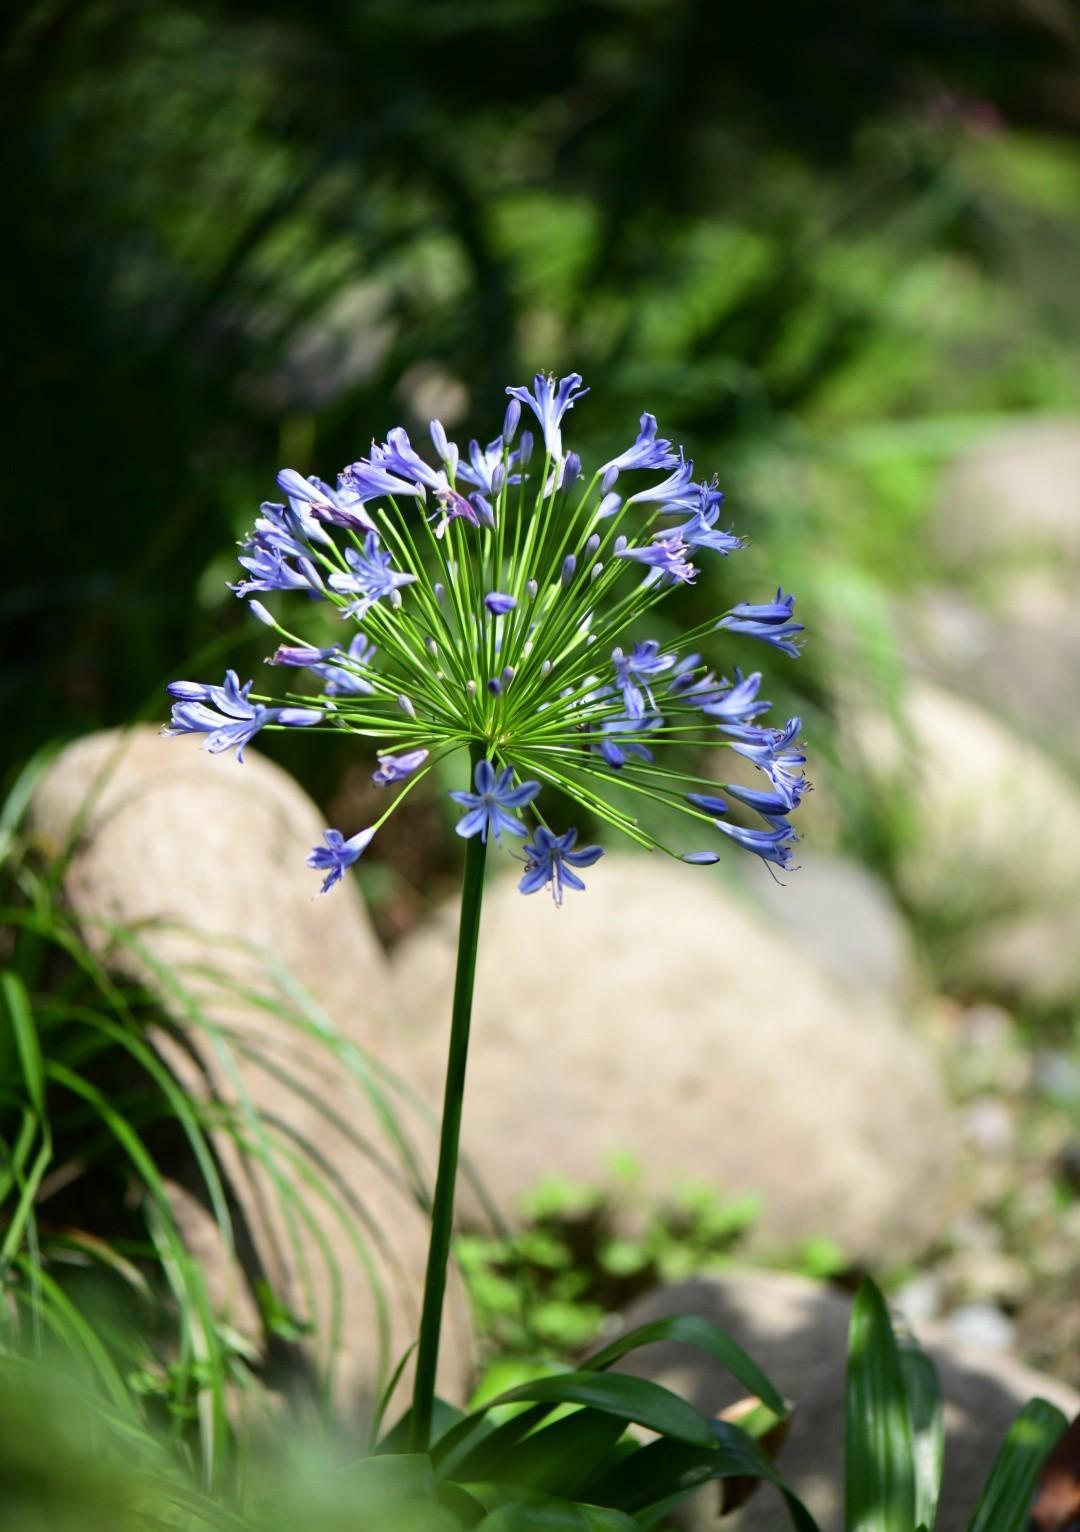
797,1332
991,849
273,1003
660,1015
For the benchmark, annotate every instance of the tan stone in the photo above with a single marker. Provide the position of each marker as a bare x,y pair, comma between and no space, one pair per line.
205,859
660,1015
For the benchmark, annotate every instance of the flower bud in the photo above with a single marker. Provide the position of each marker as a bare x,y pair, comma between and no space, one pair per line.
510,420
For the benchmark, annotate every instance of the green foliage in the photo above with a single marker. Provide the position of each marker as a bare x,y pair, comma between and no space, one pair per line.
93,1123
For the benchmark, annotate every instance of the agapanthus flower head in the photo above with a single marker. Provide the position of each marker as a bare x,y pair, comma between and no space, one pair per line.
500,601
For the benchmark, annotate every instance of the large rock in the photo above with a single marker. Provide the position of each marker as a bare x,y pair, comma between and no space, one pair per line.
844,918
271,994
1015,648
659,1015
1013,496
993,834
797,1331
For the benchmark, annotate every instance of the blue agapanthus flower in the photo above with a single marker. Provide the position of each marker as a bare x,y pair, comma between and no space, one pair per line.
501,600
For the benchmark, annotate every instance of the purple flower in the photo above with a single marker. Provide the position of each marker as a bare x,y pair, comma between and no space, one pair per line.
699,531
447,450
453,506
339,676
549,402
738,704
488,807
550,859
635,670
676,493
268,570
372,576
313,502
499,604
395,768
397,455
772,845
338,854
707,802
225,715
369,480
647,452
666,560
616,746
771,621
776,753
772,805
299,656
485,466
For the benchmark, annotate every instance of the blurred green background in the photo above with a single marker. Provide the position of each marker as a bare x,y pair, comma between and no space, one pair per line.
825,246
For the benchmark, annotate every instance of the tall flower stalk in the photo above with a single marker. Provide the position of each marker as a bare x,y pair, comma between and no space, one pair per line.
498,599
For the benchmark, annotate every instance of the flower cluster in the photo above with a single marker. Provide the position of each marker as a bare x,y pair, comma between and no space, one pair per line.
497,596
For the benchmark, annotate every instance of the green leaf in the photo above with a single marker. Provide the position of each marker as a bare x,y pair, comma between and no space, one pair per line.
21,1020
555,1516
703,1336
1006,1499
629,1399
879,1467
927,1428
557,1458
444,1419
658,1476
389,1479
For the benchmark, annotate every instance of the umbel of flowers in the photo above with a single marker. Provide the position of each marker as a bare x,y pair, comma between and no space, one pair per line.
499,600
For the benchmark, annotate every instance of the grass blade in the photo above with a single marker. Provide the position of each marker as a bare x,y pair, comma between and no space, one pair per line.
879,1465
1010,1489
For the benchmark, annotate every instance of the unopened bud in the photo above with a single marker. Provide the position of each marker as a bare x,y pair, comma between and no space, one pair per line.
569,565
510,420
470,687
620,544
596,571
608,481
440,590
431,646
257,609
531,588
571,470
592,545
545,668
395,599
508,674
311,574
494,686
406,706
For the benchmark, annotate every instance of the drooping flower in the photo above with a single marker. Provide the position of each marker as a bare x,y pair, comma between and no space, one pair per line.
485,598
226,716
665,559
338,855
773,845
489,807
551,859
395,768
771,621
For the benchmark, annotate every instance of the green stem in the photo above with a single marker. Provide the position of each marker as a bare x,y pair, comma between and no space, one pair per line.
442,1210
